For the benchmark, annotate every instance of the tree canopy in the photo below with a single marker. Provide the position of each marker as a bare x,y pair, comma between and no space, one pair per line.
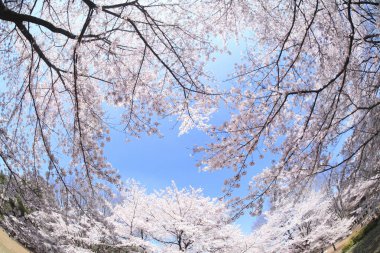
306,92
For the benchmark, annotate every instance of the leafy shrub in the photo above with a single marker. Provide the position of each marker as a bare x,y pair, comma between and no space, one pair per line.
3,178
21,207
13,207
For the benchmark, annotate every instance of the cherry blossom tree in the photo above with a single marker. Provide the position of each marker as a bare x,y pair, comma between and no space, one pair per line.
307,94
37,220
129,215
170,220
188,221
66,63
360,199
178,220
309,225
55,227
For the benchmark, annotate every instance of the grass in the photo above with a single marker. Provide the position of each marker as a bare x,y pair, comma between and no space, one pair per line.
348,246
366,240
370,242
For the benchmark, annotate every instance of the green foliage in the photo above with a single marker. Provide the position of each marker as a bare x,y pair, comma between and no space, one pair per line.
21,207
13,206
370,243
11,203
3,178
6,207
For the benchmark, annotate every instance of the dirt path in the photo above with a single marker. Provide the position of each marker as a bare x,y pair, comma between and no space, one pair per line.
8,245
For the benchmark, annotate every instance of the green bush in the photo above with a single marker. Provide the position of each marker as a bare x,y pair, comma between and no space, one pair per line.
13,206
21,207
6,207
11,203
3,178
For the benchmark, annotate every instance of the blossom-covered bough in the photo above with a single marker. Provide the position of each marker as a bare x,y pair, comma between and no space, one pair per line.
308,93
65,63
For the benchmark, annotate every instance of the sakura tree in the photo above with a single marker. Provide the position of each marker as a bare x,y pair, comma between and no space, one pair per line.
177,220
170,220
307,95
130,215
307,92
360,199
65,63
309,225
54,227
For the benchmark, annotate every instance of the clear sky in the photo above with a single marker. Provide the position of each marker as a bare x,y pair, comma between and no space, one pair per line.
155,162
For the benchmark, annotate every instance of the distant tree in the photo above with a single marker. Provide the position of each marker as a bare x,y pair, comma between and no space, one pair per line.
309,225
178,220
130,215
360,199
